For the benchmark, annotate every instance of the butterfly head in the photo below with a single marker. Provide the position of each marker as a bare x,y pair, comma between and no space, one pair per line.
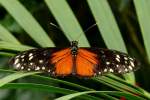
74,43
74,47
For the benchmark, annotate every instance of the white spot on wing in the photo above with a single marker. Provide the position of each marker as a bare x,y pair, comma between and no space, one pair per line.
111,70
43,68
17,56
117,56
37,68
30,57
53,72
22,59
99,72
107,63
117,66
22,67
31,63
125,58
49,70
16,61
130,58
126,69
30,54
105,70
132,64
40,61
130,68
118,59
18,65
28,69
22,56
119,71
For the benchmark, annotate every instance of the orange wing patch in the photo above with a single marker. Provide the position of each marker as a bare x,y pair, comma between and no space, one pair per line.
85,63
63,62
59,55
64,66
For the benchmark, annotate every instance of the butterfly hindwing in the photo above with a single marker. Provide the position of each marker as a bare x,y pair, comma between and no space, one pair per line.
112,61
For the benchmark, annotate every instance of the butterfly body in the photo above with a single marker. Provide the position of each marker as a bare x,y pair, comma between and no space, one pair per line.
77,61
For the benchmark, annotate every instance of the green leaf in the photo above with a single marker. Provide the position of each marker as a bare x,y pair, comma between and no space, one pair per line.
116,83
6,54
14,76
67,20
55,80
123,86
142,9
107,24
119,94
44,78
5,35
27,22
42,87
12,46
146,94
109,28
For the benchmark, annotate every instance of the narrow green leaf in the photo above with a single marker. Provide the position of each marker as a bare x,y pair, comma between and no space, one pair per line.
42,87
109,28
107,24
67,20
14,76
5,35
122,86
118,84
54,80
62,82
27,22
11,46
69,84
142,9
147,94
119,94
6,54
70,96
44,78
127,96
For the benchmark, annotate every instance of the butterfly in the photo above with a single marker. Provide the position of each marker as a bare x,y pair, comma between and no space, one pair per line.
74,60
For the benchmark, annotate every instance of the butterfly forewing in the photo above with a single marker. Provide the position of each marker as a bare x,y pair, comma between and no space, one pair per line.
112,61
35,60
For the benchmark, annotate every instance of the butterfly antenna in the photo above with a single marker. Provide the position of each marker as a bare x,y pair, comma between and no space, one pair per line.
78,37
90,27
56,26
60,29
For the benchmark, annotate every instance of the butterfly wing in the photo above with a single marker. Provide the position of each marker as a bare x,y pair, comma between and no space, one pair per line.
50,60
86,63
99,61
89,61
62,60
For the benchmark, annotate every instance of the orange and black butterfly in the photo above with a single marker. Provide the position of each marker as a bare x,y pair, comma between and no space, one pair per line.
74,60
